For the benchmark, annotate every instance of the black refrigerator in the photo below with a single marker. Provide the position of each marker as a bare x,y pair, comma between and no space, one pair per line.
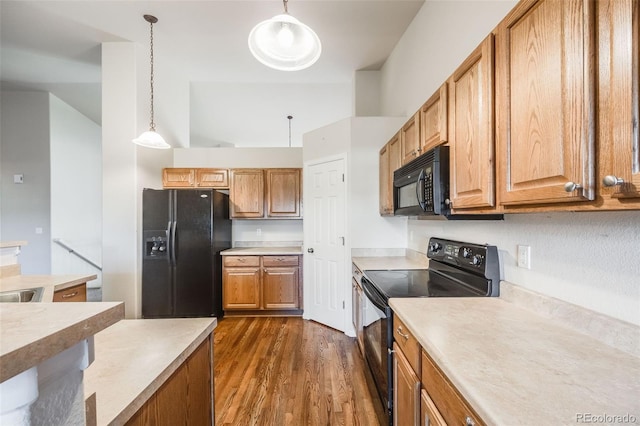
184,231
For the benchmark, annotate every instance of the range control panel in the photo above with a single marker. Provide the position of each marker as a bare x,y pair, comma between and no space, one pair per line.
481,259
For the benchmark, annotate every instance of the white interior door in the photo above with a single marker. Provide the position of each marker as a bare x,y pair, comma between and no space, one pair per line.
324,237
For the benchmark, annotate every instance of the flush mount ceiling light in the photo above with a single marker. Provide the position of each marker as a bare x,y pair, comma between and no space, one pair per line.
284,43
150,138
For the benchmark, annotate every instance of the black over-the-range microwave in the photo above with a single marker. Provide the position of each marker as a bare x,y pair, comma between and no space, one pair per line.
421,188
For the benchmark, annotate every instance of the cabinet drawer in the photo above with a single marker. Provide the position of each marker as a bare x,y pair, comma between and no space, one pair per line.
77,293
280,260
241,260
407,343
448,401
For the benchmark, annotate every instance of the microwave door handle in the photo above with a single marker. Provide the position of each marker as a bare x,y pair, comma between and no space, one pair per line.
420,189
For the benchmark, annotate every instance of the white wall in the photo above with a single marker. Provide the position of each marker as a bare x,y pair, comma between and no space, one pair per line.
261,109
25,150
441,36
584,258
76,190
366,94
367,228
238,157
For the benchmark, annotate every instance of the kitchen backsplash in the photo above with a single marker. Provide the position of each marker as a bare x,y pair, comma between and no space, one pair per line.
252,233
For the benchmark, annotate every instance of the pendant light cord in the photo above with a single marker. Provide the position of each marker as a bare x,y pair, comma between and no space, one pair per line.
289,117
286,9
152,125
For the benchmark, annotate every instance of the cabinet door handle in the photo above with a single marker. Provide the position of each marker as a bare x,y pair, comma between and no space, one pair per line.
611,180
572,186
405,336
66,296
469,421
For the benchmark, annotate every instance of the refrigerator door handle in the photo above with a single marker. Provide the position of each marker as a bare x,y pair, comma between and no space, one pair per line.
169,246
173,242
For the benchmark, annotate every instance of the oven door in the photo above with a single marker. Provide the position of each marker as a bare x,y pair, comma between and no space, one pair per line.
378,341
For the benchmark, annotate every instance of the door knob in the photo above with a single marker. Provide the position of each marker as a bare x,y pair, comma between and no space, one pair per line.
310,250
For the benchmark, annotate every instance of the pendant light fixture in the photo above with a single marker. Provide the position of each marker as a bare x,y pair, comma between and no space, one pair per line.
150,138
284,43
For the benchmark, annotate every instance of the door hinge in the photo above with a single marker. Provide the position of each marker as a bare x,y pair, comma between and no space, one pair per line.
343,177
343,304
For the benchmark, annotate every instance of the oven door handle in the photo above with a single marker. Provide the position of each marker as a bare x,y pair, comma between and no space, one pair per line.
420,189
377,301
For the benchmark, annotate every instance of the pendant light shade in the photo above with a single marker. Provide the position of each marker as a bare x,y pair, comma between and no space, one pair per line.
151,139
284,43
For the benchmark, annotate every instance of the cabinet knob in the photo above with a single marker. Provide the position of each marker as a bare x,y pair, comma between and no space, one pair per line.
611,180
310,250
572,186
469,421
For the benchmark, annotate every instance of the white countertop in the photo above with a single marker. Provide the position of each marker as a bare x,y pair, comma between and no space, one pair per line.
33,332
390,262
515,367
5,244
50,283
133,358
262,251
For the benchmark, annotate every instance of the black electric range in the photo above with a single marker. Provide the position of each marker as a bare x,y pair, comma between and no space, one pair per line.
456,269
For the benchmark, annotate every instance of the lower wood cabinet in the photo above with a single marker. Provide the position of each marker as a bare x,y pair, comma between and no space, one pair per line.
77,293
262,285
406,391
422,394
448,403
186,398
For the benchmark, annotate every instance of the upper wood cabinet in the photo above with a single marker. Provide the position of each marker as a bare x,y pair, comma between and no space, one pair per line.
283,192
433,120
212,178
265,193
471,130
619,112
195,178
390,161
246,193
546,103
410,139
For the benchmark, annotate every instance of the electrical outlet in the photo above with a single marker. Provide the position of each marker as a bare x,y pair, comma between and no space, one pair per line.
524,257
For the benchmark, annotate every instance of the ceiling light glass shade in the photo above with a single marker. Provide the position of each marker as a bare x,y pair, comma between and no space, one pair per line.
151,139
284,43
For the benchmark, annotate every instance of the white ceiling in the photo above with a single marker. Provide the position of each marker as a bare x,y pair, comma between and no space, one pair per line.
55,46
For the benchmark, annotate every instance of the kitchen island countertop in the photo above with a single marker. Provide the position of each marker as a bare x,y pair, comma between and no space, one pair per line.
514,366
134,358
263,251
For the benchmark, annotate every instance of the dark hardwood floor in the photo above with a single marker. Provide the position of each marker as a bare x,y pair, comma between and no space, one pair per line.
288,371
